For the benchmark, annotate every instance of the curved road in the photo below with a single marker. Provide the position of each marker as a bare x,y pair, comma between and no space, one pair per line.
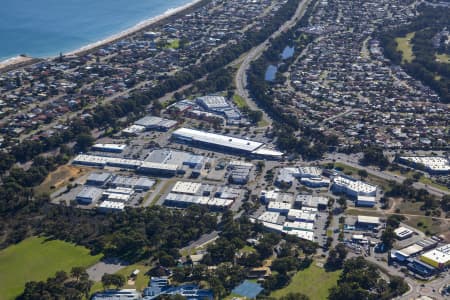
253,54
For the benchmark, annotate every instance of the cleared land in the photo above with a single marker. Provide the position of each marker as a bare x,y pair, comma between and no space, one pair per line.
36,259
404,46
141,282
314,282
443,58
60,177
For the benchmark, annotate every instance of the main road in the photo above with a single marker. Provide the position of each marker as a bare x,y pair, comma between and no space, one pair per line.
255,53
351,160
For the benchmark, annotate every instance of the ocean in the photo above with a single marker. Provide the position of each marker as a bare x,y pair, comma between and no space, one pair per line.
44,28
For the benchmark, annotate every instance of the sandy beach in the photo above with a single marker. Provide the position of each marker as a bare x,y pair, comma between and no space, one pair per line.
23,60
14,61
138,27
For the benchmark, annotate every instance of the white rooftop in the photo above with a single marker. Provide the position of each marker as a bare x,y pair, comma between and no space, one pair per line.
355,185
402,232
217,139
434,163
441,255
269,216
186,187
368,219
110,146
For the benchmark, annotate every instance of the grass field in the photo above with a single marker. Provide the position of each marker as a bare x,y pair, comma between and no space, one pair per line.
404,46
423,179
313,282
174,44
59,178
239,101
36,259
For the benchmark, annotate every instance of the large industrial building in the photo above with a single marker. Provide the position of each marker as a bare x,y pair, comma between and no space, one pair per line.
155,123
432,164
114,148
224,143
141,166
438,258
186,193
352,187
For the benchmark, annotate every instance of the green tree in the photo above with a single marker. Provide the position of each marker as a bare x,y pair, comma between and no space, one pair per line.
388,237
84,141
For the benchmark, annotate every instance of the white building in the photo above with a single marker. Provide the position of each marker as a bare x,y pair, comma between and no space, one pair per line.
223,142
115,148
186,187
111,206
403,233
368,201
438,258
353,187
301,215
270,217
433,164
280,207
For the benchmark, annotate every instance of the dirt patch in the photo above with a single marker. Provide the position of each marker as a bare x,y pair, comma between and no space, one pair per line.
61,177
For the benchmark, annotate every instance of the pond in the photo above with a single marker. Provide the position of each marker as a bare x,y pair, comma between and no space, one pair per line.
271,72
288,52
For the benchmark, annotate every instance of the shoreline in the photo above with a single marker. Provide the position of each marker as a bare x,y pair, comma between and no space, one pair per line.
19,60
134,29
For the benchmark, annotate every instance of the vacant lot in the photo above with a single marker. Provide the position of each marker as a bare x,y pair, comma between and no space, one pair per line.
404,46
141,282
443,58
60,177
36,259
313,282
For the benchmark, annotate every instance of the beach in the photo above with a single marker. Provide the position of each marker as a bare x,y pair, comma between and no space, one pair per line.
136,28
21,60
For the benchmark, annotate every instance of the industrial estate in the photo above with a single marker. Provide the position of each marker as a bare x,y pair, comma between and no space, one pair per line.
236,150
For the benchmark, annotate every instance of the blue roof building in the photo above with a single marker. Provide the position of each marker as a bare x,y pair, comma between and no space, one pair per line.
160,286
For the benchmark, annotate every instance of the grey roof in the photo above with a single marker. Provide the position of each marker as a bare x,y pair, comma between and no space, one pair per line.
153,122
90,193
99,177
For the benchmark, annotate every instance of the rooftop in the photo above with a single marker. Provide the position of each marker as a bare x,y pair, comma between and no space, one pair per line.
216,139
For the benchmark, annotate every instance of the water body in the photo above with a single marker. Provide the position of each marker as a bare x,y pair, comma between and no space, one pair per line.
271,73
288,52
42,28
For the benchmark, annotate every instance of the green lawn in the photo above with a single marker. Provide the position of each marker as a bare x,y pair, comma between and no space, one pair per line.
313,282
174,44
404,46
239,101
35,259
426,180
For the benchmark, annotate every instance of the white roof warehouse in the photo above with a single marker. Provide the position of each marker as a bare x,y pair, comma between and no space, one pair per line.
223,142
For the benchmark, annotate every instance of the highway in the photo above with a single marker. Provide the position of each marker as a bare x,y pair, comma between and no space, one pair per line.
254,53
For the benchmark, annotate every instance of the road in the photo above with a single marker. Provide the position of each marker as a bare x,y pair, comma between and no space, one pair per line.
350,161
254,53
